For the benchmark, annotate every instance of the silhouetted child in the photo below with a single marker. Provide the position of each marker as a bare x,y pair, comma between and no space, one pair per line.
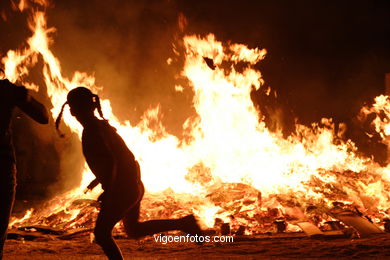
12,96
116,169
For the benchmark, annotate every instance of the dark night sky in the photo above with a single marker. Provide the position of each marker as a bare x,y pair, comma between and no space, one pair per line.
325,58
332,51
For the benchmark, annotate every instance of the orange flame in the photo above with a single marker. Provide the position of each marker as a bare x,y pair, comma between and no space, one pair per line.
229,143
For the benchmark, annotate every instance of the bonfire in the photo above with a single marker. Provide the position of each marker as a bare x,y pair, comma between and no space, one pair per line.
228,168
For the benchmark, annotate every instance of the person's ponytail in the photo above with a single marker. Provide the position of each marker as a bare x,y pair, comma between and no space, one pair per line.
58,120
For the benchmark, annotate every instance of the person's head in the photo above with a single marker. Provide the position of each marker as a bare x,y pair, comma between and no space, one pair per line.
82,103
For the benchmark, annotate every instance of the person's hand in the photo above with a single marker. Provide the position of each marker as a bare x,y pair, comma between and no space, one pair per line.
91,186
5,82
2,74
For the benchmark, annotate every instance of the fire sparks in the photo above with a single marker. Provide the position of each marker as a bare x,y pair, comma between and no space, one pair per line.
232,164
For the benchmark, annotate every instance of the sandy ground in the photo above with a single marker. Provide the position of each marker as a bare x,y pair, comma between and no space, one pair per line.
250,247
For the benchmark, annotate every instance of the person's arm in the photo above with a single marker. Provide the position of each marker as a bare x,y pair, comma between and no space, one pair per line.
100,158
34,109
92,185
27,103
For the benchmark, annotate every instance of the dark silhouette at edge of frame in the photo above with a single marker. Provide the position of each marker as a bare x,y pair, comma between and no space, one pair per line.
116,168
12,96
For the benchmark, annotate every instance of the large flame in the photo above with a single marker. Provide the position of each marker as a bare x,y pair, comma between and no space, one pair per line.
230,164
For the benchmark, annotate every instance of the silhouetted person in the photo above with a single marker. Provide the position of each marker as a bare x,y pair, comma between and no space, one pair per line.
12,96
116,169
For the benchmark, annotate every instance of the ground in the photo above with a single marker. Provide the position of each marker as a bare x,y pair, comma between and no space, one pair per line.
251,247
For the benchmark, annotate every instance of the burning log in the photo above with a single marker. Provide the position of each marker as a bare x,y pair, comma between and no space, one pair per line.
34,232
335,225
281,226
22,235
387,225
314,232
75,233
225,229
310,229
240,231
361,224
85,203
42,229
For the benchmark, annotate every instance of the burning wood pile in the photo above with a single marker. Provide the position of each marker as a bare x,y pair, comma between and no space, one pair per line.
243,206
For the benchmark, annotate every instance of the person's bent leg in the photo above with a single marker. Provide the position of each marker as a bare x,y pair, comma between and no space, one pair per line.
136,229
7,196
103,234
113,209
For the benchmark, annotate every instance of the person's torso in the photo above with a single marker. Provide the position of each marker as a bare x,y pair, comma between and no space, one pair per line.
126,165
9,98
